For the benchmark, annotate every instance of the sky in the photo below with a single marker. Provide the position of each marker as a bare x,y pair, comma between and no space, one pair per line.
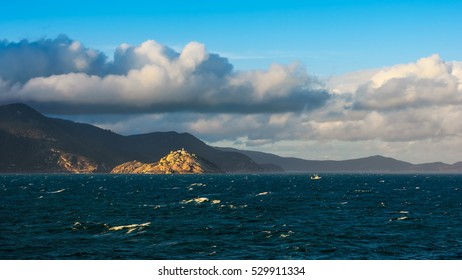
331,79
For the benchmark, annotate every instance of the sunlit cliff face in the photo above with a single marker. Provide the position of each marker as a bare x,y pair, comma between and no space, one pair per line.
179,162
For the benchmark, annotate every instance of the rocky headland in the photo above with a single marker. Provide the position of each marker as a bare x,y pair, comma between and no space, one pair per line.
176,162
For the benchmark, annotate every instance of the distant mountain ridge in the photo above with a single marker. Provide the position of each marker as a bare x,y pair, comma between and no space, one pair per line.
372,164
32,142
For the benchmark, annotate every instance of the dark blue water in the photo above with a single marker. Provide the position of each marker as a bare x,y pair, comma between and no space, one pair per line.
282,216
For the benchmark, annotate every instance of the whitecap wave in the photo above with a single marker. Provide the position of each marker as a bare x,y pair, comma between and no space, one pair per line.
196,200
130,228
285,235
58,191
262,193
197,185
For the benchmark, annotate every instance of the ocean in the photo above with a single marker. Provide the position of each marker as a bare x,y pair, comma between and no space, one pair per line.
229,216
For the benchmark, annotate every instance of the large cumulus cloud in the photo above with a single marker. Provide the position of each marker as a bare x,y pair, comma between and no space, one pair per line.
428,82
62,76
406,102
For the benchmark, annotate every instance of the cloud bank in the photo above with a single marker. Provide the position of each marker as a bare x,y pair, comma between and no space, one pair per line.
410,111
406,102
62,76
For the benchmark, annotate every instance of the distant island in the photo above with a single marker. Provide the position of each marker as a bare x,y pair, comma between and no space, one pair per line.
176,162
33,143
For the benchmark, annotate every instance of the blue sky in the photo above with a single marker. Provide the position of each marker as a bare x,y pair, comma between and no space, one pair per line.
329,37
331,79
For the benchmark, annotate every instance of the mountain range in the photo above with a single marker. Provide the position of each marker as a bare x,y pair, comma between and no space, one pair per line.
372,164
32,142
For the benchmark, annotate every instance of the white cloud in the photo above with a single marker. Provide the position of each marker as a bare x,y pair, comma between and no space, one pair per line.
402,109
154,78
429,81
432,67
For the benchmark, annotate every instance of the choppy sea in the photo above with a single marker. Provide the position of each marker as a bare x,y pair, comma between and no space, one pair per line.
245,216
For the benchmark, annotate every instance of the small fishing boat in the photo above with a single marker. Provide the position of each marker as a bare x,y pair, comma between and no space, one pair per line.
315,177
